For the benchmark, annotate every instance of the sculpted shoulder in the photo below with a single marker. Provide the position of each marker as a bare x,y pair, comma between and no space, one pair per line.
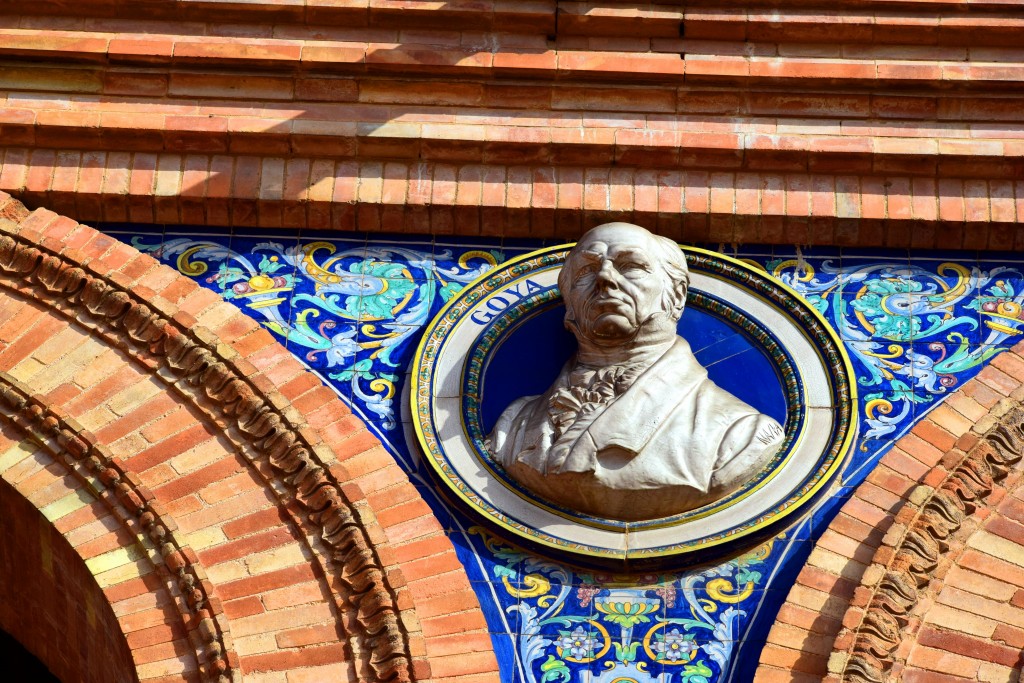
506,438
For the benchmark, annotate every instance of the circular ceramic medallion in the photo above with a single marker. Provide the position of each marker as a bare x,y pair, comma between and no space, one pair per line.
502,338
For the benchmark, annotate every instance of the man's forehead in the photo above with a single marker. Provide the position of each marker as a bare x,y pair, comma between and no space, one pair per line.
616,241
601,250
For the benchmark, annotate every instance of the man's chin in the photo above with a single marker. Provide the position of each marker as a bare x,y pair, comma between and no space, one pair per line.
611,329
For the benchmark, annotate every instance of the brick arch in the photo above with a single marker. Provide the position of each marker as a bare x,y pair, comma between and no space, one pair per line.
973,627
311,550
893,589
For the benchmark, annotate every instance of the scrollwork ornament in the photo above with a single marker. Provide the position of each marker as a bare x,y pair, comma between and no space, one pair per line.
346,311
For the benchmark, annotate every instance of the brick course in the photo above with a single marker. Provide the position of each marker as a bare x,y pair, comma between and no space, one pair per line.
898,126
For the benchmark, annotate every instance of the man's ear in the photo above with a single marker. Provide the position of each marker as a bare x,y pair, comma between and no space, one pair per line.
682,289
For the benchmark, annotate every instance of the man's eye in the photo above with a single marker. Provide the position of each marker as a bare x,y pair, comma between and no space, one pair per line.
633,267
583,280
585,273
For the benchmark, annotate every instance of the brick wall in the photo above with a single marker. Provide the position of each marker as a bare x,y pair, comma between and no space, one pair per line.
49,600
919,577
895,124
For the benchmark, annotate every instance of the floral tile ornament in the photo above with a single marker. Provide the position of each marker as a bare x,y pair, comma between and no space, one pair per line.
916,329
651,628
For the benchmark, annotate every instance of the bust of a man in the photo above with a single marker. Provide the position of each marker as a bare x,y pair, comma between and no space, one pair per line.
632,428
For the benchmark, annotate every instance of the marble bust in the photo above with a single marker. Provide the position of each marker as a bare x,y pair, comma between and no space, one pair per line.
632,428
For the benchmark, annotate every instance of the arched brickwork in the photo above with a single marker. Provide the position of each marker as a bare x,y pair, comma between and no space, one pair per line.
973,628
919,578
167,612
237,517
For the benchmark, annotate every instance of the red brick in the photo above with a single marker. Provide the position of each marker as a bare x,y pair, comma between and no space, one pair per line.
252,544
1009,635
170,447
255,585
243,607
993,566
1006,528
313,655
308,635
963,644
934,435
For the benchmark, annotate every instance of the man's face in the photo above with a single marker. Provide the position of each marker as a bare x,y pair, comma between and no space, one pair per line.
617,281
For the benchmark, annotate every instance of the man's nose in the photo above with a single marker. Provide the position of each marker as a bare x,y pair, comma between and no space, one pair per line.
607,276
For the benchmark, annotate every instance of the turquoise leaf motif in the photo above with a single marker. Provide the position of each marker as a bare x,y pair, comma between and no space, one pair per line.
501,571
1002,289
268,265
554,670
626,654
698,672
745,575
449,290
361,368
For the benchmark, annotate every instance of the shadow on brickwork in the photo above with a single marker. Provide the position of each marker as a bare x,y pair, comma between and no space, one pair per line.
17,659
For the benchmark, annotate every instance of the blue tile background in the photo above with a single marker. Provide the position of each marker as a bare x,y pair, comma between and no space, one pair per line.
353,309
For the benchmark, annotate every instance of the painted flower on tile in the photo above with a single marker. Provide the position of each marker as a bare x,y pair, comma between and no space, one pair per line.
579,643
673,646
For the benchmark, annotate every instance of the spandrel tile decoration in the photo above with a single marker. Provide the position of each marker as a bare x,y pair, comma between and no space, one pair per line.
912,334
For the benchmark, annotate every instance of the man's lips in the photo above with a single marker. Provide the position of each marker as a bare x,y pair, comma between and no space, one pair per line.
605,301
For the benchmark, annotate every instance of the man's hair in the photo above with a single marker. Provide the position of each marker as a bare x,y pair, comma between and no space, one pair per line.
678,274
672,257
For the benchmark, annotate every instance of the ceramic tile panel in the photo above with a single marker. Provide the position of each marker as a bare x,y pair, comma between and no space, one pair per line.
915,324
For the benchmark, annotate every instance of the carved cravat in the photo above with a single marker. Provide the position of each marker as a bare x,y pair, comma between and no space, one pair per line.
573,408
